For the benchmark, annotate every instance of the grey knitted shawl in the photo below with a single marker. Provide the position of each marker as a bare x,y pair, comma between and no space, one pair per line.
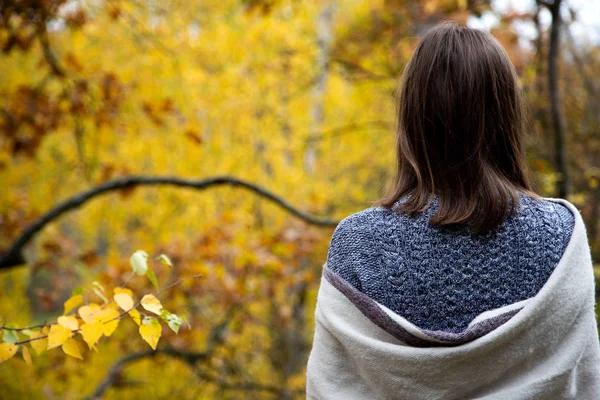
440,279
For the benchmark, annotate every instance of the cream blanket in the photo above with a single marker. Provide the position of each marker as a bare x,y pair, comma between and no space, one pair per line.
545,347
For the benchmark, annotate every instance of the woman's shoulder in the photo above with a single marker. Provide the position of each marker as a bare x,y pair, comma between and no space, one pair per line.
368,224
362,224
547,221
548,210
353,245
357,232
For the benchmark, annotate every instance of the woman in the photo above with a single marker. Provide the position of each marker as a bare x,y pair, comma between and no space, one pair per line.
460,283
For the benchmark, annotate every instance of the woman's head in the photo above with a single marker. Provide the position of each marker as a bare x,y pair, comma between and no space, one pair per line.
461,123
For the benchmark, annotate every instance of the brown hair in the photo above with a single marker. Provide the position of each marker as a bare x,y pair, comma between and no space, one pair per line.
461,122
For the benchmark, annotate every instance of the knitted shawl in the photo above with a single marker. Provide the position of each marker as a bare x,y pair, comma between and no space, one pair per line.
540,348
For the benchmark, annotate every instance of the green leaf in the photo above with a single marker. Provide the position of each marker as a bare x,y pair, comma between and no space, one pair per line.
139,262
174,326
165,260
152,277
174,322
10,336
77,290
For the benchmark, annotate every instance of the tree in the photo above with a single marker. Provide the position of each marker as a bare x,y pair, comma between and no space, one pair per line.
128,103
558,120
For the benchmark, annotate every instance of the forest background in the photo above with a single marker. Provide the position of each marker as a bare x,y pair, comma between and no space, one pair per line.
231,136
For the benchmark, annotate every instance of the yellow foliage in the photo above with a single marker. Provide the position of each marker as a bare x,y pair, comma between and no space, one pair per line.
232,96
39,345
152,304
123,290
91,333
109,320
7,350
72,302
71,347
26,355
124,299
135,315
90,313
58,335
69,322
150,330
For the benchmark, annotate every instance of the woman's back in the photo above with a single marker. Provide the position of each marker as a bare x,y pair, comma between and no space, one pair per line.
461,281
441,278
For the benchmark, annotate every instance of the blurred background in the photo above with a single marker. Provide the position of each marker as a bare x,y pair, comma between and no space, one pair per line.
271,120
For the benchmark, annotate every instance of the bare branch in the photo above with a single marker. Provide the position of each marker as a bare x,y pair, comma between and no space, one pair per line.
115,369
14,257
243,386
49,55
216,338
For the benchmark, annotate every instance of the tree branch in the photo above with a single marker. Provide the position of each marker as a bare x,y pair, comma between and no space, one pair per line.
216,338
14,257
114,371
49,55
242,386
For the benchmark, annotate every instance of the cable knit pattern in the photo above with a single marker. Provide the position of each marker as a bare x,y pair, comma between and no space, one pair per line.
440,279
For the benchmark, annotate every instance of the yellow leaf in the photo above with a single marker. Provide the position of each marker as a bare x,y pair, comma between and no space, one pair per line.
135,315
71,347
150,330
69,322
109,321
57,336
73,302
90,313
91,333
151,303
39,345
124,300
118,290
26,355
7,350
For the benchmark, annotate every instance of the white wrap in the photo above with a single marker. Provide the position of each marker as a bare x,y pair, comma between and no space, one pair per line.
545,347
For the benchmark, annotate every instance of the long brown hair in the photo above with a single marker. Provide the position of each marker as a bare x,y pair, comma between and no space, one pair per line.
461,125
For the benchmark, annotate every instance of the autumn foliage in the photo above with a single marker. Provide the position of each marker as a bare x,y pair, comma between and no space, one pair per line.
282,112
92,320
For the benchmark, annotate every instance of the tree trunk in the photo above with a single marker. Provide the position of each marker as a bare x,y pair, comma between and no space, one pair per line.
563,184
324,39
